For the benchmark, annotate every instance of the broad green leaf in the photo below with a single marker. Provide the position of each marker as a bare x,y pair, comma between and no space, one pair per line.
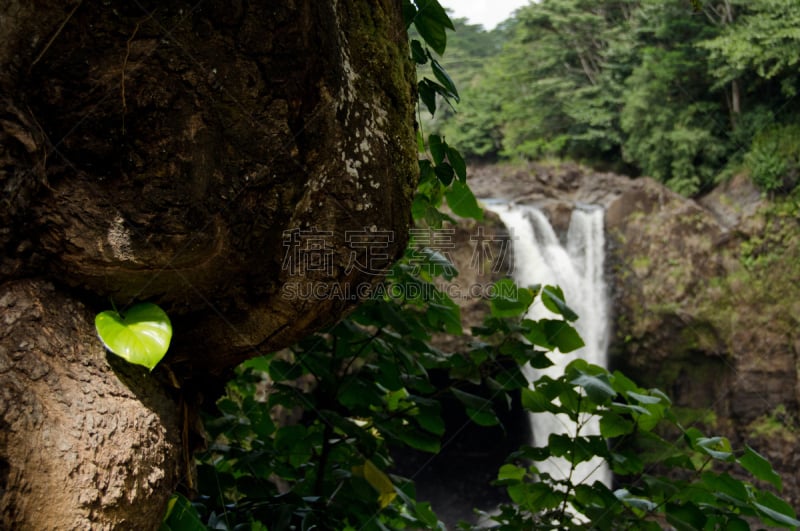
431,20
716,447
282,370
535,401
777,516
757,465
733,523
141,336
725,484
462,201
509,472
470,400
686,517
409,12
181,516
635,501
425,513
509,300
597,388
444,172
483,417
294,443
553,299
562,336
420,440
644,399
457,161
443,78
438,149
431,422
613,425
534,497
418,53
776,509
427,93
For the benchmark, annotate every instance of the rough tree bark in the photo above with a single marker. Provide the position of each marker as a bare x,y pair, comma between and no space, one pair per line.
210,157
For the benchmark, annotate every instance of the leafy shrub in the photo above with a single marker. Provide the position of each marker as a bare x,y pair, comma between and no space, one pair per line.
774,158
302,439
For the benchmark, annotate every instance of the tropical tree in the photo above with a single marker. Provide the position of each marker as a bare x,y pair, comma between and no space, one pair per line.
201,158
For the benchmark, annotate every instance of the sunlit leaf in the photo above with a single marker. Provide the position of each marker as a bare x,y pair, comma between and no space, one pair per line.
379,481
140,336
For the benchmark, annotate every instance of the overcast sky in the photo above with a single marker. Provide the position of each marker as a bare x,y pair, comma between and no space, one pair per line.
486,12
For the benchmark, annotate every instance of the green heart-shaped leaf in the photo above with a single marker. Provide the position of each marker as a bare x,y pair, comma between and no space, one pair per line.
141,336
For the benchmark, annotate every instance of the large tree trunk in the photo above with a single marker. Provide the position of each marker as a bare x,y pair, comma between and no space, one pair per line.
217,158
83,440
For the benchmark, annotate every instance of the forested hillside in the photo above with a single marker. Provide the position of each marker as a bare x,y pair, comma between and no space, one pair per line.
688,92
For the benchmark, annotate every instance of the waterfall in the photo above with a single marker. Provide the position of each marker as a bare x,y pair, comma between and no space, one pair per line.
577,267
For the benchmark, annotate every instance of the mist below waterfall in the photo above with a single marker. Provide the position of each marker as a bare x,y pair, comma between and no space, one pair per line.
577,267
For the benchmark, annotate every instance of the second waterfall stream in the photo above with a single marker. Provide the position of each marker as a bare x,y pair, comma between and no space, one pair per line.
577,267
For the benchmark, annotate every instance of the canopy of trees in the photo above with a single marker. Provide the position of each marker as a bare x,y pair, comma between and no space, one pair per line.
686,92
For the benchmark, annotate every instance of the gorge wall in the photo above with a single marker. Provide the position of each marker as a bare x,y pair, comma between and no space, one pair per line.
705,297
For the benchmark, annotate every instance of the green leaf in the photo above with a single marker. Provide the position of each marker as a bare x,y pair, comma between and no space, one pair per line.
597,388
294,443
445,173
409,12
685,517
438,149
462,201
553,299
483,417
725,484
427,93
431,421
781,517
534,497
634,501
141,336
431,21
511,473
470,400
535,401
613,425
418,53
420,440
562,336
776,509
181,516
508,299
644,399
282,370
443,78
457,161
757,465
716,447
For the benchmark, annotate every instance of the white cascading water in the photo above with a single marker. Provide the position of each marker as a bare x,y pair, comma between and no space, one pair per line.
540,258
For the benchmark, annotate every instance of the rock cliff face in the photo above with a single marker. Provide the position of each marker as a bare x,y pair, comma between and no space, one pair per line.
705,297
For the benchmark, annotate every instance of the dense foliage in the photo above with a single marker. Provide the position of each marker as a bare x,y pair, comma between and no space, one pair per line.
305,438
686,92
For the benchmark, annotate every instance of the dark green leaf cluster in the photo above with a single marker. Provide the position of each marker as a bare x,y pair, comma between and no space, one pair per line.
682,479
